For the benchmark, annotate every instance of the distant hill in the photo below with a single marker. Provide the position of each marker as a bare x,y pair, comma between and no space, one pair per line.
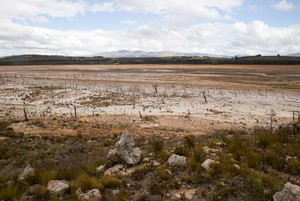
294,55
146,59
143,54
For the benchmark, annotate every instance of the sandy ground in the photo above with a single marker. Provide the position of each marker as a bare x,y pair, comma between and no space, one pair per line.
237,97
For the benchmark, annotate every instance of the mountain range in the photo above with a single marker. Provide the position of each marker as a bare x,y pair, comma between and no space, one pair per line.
144,54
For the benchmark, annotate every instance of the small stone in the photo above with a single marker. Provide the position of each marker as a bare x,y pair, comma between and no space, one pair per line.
221,144
236,166
115,192
58,187
176,160
207,163
78,192
27,172
155,163
92,195
114,170
100,169
146,160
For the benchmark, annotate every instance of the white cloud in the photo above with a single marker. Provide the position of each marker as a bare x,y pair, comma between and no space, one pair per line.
128,22
284,6
103,7
205,9
213,38
38,10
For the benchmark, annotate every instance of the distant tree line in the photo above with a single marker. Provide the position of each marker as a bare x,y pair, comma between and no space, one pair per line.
63,60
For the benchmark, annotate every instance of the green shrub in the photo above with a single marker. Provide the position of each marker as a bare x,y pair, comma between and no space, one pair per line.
266,139
253,159
181,151
140,173
163,174
157,145
111,181
87,182
272,159
198,154
190,141
293,166
263,186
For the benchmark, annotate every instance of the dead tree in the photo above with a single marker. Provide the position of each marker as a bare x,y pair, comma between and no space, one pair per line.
204,96
272,114
75,111
25,114
155,86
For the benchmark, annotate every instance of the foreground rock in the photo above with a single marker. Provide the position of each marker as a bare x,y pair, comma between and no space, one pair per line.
176,160
207,164
92,195
27,172
57,187
290,192
126,150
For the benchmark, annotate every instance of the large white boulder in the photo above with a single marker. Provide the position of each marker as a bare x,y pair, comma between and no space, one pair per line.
126,150
176,160
57,187
290,192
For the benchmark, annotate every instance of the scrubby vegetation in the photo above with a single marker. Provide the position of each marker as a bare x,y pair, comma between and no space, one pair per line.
249,166
59,60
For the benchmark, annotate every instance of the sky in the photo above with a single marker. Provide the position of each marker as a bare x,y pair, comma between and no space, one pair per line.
87,27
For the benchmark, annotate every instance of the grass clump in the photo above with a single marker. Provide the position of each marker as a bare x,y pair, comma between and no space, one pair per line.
140,173
111,181
87,182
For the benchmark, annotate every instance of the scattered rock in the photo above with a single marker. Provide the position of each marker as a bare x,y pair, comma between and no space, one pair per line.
290,192
92,195
126,150
146,160
208,150
100,169
237,166
221,144
187,194
114,170
27,172
58,187
115,192
78,192
207,163
176,160
155,163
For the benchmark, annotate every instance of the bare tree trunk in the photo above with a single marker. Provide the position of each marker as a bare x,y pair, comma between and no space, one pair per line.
25,115
204,96
75,112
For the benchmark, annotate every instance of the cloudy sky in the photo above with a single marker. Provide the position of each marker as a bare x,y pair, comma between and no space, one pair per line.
86,27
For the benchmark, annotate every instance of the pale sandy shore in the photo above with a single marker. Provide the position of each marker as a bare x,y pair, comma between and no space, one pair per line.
189,97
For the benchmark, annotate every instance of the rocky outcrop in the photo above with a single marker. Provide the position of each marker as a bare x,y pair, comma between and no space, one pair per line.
125,150
57,187
92,195
290,192
207,164
176,160
27,172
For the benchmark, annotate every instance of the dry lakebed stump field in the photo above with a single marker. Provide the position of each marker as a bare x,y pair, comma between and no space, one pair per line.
149,132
